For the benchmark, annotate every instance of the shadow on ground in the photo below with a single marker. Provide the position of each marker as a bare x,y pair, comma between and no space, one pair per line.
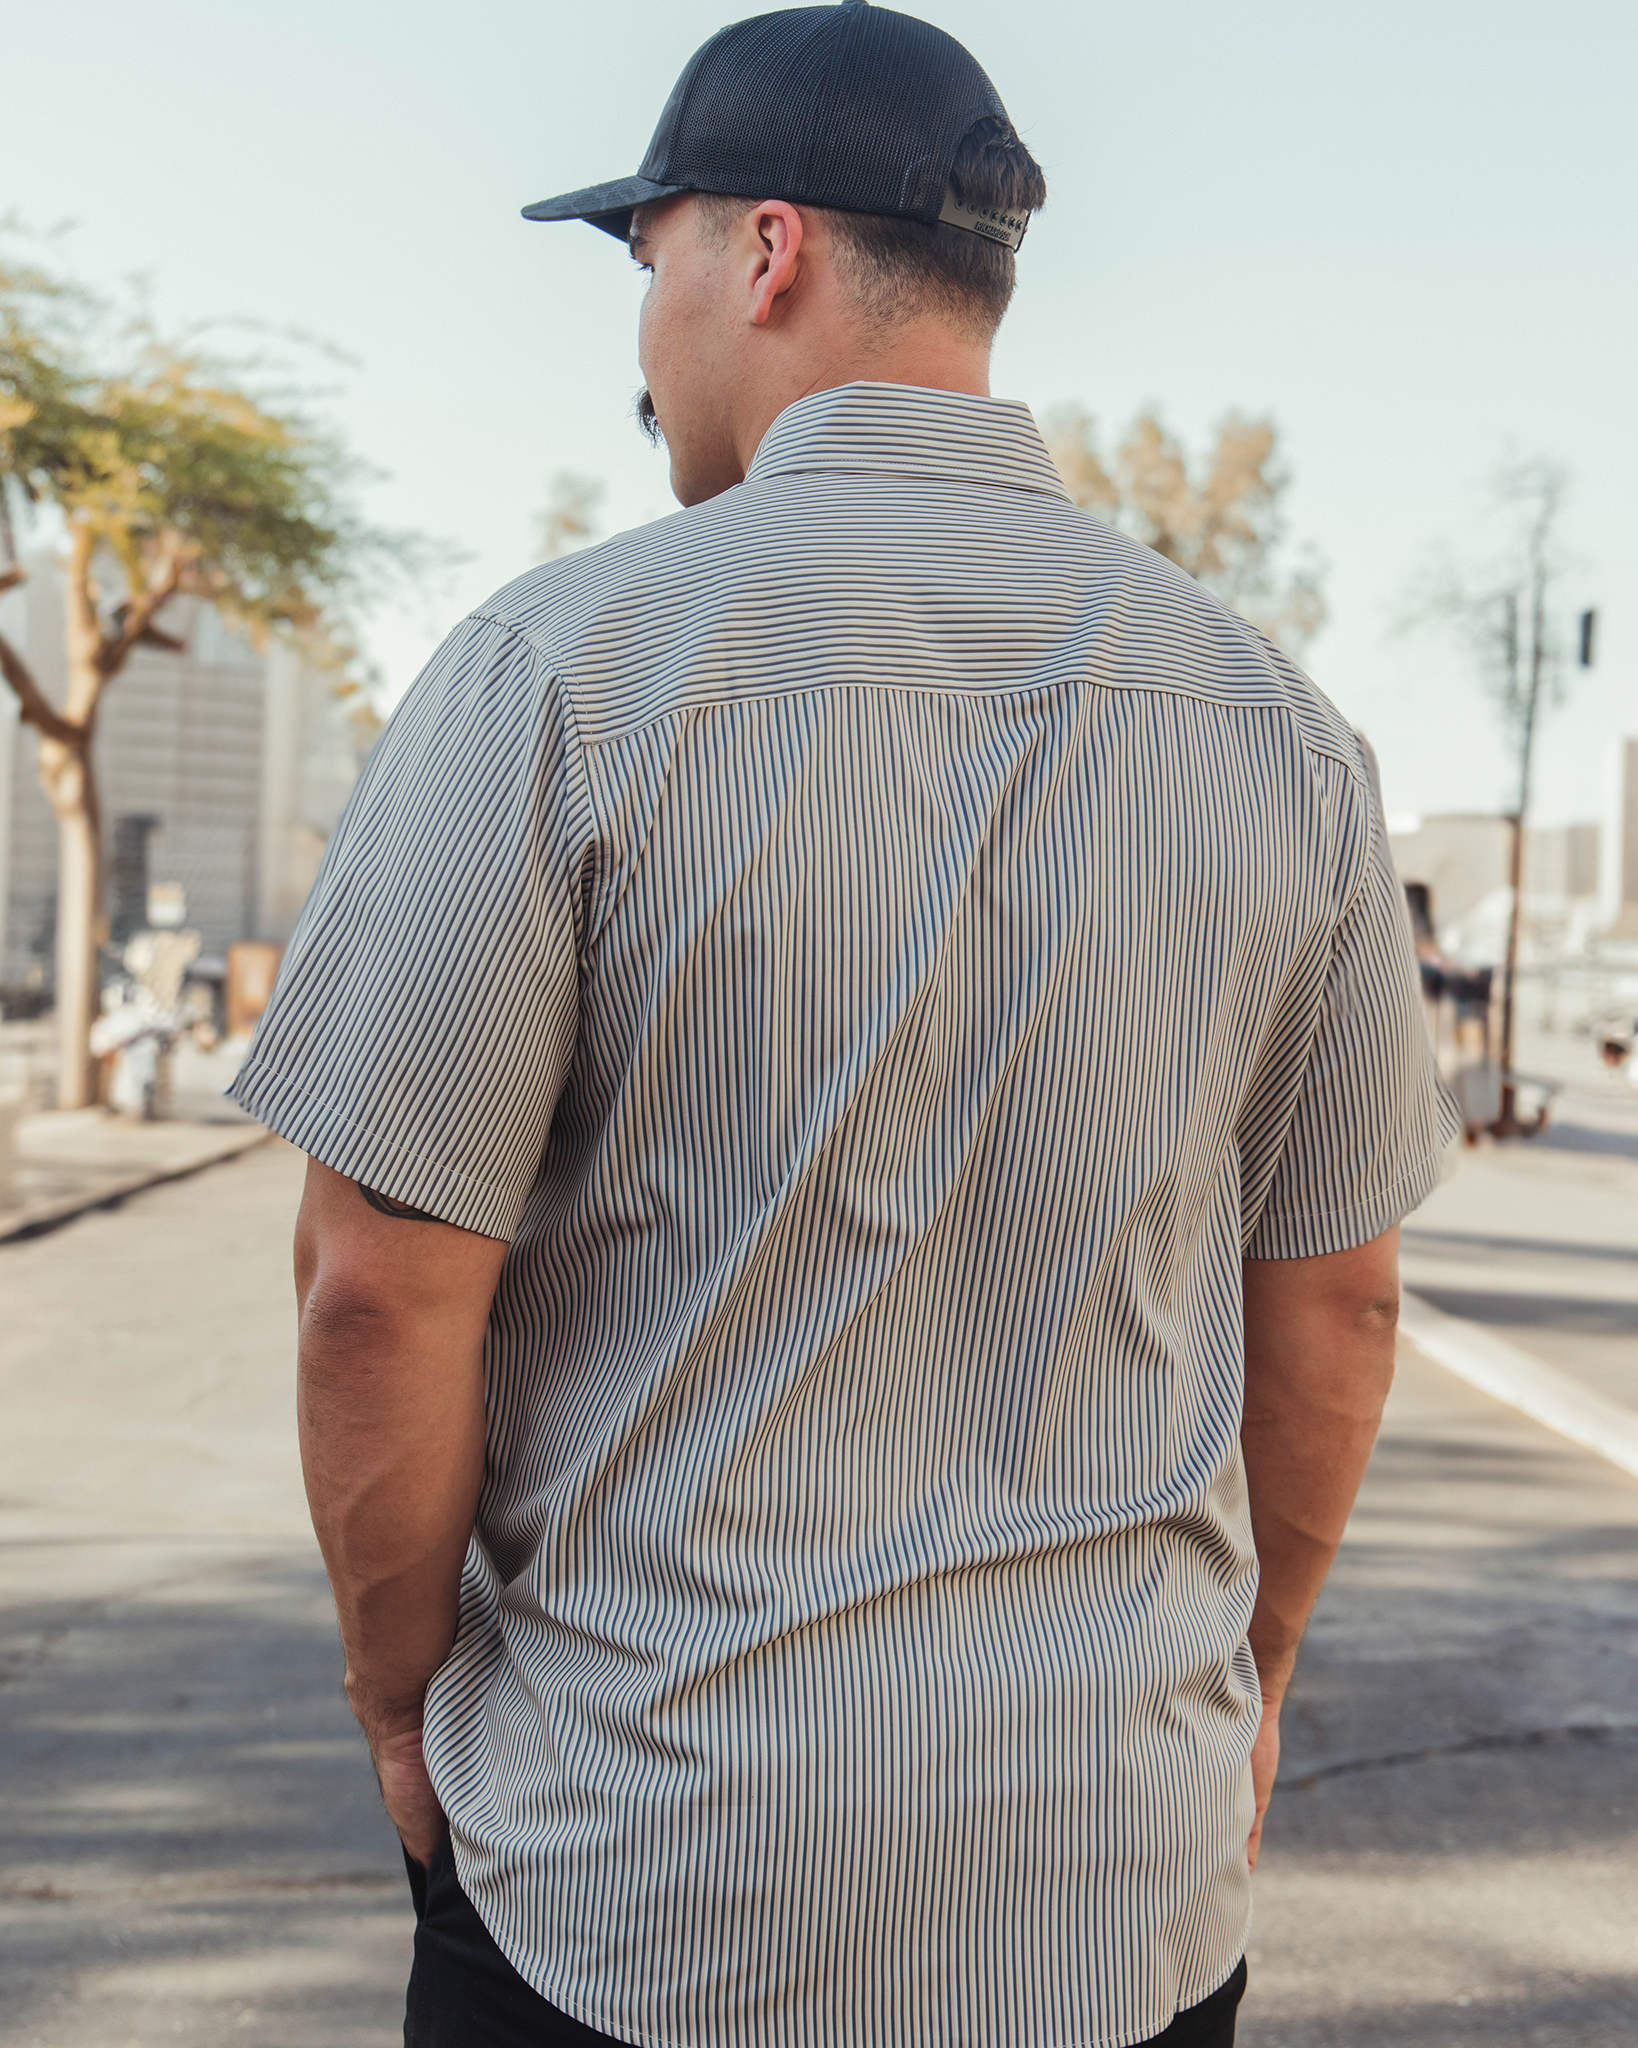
1582,2014
1587,1139
192,1846
1484,1244
1572,1314
1453,1847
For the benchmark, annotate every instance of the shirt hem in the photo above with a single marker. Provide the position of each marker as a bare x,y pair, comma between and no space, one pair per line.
323,1130
622,2031
1312,1233
587,2017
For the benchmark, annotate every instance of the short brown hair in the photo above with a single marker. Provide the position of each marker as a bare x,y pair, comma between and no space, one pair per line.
901,269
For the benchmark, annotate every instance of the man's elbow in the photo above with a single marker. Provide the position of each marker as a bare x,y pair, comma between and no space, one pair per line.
346,1318
1366,1324
1358,1290
1377,1312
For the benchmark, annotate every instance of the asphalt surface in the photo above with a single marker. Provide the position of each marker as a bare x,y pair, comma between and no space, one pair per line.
193,1852
191,1848
1452,1856
1538,1242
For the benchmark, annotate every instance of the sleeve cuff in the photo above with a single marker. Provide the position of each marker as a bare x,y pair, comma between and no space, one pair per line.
1311,1233
319,1127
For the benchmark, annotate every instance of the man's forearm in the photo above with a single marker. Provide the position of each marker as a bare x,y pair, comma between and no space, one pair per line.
1319,1361
394,1306
392,1435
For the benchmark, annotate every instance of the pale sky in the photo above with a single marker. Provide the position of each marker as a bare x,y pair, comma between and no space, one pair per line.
1407,232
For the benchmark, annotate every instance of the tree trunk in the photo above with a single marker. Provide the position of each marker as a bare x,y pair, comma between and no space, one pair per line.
70,783
69,780
1508,1124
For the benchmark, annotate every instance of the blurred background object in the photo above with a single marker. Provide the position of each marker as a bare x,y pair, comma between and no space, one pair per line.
180,488
1221,520
1502,612
224,769
570,517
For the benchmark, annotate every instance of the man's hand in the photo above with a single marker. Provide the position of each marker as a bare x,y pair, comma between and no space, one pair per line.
394,1305
1265,1768
406,1792
1319,1362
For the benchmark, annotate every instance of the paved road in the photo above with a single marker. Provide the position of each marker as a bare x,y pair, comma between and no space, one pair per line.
1453,1853
1538,1242
193,1853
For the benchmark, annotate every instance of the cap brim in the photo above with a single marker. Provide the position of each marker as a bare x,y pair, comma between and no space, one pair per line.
608,207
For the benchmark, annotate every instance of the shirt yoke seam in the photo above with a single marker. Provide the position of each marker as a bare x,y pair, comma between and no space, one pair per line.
1316,746
566,676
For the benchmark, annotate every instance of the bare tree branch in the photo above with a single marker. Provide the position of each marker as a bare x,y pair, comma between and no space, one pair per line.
153,635
138,620
1502,611
37,708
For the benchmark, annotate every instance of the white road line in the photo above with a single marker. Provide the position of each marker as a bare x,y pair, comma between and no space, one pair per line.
1508,1374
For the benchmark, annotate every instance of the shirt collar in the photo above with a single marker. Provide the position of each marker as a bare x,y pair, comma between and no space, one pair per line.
911,431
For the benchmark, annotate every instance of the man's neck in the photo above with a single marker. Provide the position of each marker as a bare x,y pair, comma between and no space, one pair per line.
925,353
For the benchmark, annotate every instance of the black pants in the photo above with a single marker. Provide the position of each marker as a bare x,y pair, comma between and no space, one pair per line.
463,1993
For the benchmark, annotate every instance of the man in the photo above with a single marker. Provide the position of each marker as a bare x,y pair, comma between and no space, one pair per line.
861,1059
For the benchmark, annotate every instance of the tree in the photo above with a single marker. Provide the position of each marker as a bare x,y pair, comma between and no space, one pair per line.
570,514
174,473
1501,611
1225,527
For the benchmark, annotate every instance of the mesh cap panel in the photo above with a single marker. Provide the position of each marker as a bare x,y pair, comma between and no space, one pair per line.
849,106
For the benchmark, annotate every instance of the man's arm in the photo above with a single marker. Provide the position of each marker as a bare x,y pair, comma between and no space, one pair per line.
1319,1361
393,1308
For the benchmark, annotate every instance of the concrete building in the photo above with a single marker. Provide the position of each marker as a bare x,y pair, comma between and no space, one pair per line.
223,771
1621,894
1580,880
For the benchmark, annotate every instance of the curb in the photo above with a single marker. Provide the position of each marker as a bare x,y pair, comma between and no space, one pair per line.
40,1217
1508,1374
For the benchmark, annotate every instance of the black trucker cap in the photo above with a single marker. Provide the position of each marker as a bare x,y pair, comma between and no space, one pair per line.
850,106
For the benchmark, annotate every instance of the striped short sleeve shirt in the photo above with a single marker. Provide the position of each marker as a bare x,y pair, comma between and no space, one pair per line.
882,948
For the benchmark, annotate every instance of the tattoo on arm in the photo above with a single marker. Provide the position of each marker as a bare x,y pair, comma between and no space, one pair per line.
388,1207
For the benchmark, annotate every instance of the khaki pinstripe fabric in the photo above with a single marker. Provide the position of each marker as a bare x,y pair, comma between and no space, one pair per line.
881,946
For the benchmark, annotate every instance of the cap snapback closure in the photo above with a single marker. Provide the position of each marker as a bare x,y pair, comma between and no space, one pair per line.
1008,229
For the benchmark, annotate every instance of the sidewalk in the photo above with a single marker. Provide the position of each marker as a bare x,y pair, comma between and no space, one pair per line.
191,1847
1537,1241
1452,1853
59,1163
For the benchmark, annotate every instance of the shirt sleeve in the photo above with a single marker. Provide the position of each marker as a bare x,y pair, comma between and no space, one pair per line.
427,1010
1360,1138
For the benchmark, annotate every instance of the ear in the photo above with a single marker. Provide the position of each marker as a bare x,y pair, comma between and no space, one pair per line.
776,229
